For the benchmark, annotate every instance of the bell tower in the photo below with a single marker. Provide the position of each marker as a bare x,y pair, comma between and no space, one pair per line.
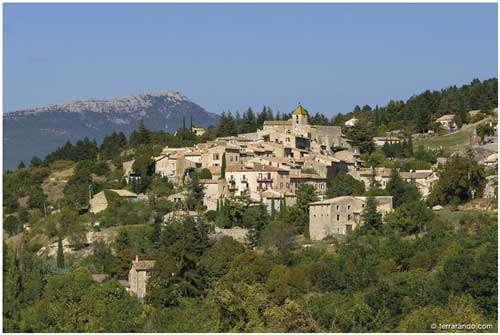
299,116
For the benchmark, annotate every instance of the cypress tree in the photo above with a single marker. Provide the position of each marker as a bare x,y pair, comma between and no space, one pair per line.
282,206
273,209
60,254
223,167
371,217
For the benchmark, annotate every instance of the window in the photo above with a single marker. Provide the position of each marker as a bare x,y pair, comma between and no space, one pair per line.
337,207
348,217
338,217
348,206
216,157
281,185
260,175
348,227
363,205
231,159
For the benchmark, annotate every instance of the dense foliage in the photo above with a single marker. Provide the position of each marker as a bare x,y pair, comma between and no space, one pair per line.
420,111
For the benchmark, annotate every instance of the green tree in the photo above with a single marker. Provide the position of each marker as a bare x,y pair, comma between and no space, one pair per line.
361,136
194,198
484,130
460,179
401,191
60,254
344,184
12,225
36,162
410,217
372,219
205,174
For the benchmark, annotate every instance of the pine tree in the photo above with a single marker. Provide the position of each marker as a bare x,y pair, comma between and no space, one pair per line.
60,254
21,165
156,234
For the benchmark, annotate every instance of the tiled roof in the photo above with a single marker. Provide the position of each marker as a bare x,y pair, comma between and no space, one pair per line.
337,199
299,110
124,193
209,181
278,123
143,265
447,117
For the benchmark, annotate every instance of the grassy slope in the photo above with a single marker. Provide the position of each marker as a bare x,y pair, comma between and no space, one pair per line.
455,140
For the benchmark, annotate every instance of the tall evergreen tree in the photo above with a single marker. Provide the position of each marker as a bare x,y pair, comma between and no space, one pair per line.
223,167
60,254
371,217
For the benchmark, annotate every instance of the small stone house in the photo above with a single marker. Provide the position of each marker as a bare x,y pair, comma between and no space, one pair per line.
138,277
447,122
99,202
340,215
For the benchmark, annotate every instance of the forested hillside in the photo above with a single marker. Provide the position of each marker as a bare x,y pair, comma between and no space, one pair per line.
420,111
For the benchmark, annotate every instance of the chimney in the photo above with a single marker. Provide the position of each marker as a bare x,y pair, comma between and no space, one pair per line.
136,258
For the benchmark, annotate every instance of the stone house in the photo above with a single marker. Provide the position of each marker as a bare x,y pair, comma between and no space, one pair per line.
270,197
338,216
213,155
138,277
213,191
165,165
491,160
99,202
423,179
198,131
298,178
256,179
447,122
367,175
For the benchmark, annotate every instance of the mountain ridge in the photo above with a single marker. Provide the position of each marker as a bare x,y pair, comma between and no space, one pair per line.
40,130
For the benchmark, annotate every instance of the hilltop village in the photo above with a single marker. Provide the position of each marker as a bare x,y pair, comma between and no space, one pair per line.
260,229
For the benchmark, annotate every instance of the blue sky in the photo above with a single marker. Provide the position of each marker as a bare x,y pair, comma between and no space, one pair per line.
222,56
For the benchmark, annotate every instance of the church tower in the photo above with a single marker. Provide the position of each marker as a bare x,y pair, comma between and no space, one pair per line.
299,116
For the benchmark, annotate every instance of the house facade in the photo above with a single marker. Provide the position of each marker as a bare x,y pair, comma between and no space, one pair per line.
448,122
138,277
339,216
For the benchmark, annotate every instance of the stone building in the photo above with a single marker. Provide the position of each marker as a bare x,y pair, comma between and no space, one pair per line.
321,138
99,202
138,277
257,178
338,216
447,122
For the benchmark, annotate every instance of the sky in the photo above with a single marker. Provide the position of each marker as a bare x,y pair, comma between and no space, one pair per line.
329,57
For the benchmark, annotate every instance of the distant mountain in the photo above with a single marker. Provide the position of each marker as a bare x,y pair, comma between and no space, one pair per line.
38,131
